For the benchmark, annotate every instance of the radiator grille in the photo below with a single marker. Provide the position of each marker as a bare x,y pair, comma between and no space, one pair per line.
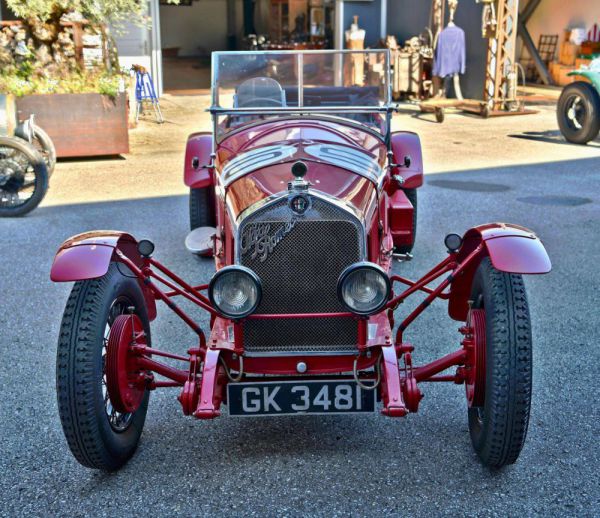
300,275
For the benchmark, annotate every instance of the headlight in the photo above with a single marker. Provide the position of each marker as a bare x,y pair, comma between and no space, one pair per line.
364,288
235,291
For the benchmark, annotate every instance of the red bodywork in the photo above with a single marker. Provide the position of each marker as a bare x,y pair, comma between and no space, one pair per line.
387,214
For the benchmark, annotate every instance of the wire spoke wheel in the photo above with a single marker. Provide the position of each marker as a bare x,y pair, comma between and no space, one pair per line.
17,177
119,421
23,177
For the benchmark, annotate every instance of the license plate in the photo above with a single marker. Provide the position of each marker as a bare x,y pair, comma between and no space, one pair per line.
298,397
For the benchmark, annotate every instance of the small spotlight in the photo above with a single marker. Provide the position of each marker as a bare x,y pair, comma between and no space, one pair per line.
299,169
453,242
145,247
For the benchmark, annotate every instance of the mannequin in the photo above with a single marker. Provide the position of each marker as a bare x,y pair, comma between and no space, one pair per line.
452,6
450,51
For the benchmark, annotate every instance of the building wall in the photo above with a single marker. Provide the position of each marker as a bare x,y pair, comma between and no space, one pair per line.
133,45
369,19
407,18
197,29
554,16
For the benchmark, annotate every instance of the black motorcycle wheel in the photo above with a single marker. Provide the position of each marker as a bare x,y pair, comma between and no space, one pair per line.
23,177
578,112
99,436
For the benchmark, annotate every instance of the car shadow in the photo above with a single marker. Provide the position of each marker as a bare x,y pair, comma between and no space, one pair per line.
551,137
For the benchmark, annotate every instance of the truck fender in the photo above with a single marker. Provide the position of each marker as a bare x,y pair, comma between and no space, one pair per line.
88,256
197,156
406,149
511,249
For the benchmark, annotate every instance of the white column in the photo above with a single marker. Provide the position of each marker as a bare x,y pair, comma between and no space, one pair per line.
155,47
383,26
339,25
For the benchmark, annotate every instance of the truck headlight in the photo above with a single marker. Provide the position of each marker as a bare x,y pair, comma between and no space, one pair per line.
364,288
235,292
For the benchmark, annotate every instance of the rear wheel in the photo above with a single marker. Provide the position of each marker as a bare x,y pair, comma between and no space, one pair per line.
98,435
498,424
411,194
578,112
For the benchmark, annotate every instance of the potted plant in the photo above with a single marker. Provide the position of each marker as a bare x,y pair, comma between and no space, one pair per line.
59,62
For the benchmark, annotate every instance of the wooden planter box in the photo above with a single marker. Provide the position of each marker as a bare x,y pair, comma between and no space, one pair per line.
80,125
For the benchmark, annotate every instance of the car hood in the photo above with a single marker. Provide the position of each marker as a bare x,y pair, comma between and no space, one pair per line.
345,161
346,173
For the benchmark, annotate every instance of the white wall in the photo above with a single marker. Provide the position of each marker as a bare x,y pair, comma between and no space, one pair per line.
198,29
133,45
141,46
554,16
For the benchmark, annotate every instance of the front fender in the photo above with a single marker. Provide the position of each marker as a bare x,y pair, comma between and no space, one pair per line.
592,76
88,256
406,144
511,249
197,155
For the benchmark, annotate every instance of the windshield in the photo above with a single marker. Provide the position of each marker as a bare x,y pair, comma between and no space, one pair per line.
254,86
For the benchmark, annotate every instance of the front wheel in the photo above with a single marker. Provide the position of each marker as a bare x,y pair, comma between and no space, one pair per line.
499,416
202,207
411,194
98,435
578,112
23,177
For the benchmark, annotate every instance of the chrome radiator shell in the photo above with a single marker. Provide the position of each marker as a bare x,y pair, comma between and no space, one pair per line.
299,259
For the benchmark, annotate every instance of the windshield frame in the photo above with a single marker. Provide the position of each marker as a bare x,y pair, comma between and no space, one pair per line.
386,108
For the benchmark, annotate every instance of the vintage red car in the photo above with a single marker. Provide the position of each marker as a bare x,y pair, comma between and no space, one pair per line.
304,197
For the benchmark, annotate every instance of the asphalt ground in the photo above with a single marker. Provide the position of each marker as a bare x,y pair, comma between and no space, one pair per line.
422,465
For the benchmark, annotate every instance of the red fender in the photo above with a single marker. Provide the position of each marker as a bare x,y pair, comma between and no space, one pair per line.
406,144
511,249
197,152
88,256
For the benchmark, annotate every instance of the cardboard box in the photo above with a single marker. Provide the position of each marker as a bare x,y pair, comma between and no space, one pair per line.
568,53
590,47
559,74
579,62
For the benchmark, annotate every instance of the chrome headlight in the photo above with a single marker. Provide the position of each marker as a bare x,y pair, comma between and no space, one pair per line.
364,288
235,292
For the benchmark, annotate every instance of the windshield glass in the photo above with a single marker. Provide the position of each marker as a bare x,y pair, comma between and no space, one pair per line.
253,86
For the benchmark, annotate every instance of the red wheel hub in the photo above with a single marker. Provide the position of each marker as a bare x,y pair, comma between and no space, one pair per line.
125,382
474,344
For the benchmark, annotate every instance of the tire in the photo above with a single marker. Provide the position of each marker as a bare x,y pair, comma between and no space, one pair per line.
202,208
499,427
411,194
440,115
579,122
42,142
83,403
31,160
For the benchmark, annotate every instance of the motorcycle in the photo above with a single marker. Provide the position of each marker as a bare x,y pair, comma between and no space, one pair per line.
26,161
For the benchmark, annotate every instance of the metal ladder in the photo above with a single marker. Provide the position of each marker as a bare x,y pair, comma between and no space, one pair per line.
144,91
